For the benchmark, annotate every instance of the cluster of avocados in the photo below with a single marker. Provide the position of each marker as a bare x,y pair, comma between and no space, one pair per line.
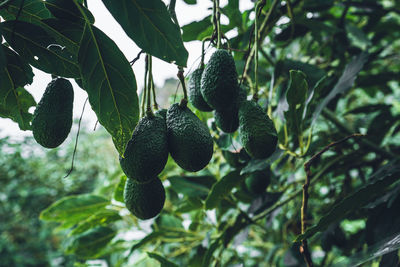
52,118
216,87
176,131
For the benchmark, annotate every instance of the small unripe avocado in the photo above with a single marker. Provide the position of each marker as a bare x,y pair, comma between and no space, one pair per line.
258,181
219,85
144,200
256,130
146,153
194,94
52,119
189,140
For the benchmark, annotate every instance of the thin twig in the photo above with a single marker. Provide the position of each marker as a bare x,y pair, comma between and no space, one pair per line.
136,58
181,78
304,246
76,140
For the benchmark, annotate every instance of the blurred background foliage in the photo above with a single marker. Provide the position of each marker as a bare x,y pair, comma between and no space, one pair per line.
348,54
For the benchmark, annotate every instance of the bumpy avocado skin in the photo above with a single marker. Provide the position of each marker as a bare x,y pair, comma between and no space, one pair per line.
228,119
144,200
189,140
52,119
256,130
219,85
146,153
258,181
195,96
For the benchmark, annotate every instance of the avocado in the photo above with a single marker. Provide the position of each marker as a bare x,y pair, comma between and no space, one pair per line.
219,85
256,130
52,119
195,96
144,200
189,140
146,153
227,119
258,181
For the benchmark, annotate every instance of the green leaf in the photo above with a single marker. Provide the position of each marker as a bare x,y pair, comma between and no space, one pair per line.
15,101
40,49
189,204
149,25
74,208
192,186
100,218
296,96
345,81
380,180
91,243
161,259
119,189
192,30
149,238
67,10
190,2
33,10
222,188
110,83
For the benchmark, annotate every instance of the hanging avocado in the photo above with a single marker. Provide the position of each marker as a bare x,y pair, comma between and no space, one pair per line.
144,200
189,140
219,85
194,94
146,153
52,119
256,130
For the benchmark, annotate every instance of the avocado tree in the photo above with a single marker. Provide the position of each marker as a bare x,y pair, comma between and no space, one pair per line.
283,150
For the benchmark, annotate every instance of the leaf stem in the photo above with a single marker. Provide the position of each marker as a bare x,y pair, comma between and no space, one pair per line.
149,112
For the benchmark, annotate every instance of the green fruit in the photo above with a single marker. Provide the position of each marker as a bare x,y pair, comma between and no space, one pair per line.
219,85
162,112
189,140
146,153
194,92
256,130
227,119
258,181
236,159
144,200
52,119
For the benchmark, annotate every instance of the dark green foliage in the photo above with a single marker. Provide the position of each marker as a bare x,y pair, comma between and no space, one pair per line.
52,119
144,200
189,140
258,181
146,153
194,93
219,85
256,130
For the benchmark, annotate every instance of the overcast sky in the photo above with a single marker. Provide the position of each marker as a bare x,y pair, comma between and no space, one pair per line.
161,70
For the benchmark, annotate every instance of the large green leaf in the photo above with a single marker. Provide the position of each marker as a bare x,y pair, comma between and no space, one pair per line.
193,30
380,180
101,218
149,238
15,101
296,96
149,25
161,259
222,188
91,243
74,208
345,81
40,49
119,189
110,83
